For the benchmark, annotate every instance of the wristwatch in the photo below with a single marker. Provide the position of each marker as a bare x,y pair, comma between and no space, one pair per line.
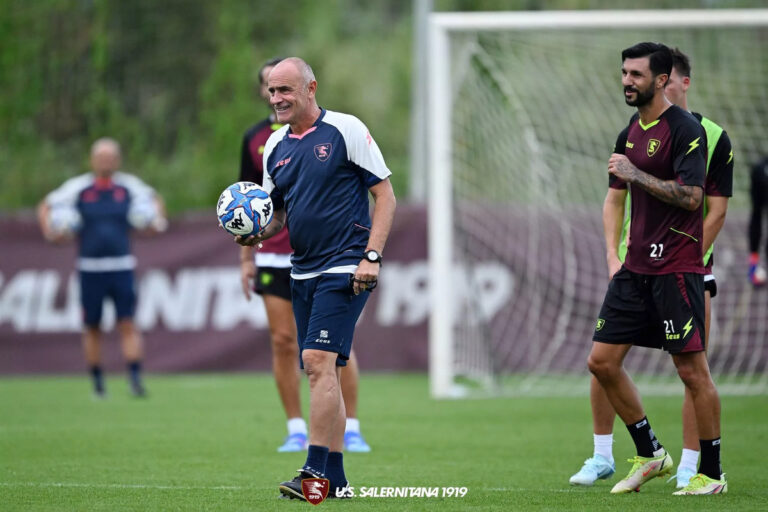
373,256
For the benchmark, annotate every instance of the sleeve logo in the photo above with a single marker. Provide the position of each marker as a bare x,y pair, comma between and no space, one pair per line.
693,144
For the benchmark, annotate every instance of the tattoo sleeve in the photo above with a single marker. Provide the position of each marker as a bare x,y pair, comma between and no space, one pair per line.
688,197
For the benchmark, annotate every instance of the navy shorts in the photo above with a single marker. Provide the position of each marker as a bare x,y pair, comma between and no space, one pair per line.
96,286
273,281
664,311
326,311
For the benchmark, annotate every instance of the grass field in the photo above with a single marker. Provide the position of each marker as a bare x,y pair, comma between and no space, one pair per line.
208,442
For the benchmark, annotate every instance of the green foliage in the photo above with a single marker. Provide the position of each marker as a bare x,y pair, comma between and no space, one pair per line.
175,83
208,442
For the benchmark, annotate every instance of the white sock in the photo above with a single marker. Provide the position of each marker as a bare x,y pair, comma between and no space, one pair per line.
604,446
689,459
353,425
297,426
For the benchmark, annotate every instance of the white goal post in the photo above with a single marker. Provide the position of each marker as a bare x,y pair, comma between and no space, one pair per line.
505,206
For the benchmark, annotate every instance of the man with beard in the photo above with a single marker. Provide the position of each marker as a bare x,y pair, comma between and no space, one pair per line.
717,190
657,296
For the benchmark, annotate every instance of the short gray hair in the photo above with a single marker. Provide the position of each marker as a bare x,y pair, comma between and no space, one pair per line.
305,69
106,143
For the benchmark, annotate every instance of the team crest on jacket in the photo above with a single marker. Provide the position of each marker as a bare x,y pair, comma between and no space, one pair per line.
653,145
323,151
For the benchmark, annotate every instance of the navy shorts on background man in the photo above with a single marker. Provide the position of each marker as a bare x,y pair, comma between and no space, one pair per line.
96,286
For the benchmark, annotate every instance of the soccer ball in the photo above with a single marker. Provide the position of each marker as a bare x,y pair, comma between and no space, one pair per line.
244,209
142,212
64,220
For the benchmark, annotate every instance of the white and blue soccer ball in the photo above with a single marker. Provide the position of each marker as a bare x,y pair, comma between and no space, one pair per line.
244,209
142,212
64,220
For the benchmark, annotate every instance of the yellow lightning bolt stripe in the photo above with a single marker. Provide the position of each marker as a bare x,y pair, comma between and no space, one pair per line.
687,327
730,157
693,144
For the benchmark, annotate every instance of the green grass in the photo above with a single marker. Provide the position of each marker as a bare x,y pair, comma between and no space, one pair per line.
207,442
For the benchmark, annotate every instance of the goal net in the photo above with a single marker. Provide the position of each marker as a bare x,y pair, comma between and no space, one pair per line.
524,110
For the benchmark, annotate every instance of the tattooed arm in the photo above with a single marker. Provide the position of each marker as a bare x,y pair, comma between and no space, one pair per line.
688,197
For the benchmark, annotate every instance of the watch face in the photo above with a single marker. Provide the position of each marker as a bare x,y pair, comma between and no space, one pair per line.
372,256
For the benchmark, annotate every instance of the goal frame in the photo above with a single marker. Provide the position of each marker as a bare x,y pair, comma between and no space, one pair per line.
440,186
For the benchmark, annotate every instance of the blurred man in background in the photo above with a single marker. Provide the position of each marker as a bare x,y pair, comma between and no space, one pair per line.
758,190
101,208
268,272
717,189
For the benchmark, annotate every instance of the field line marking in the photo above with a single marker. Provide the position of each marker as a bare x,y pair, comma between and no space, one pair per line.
125,486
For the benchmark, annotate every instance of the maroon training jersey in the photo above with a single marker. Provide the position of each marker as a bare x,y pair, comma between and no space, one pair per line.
663,238
252,169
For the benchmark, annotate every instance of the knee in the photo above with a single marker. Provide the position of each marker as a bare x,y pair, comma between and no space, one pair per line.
126,327
92,330
600,368
693,377
284,344
313,366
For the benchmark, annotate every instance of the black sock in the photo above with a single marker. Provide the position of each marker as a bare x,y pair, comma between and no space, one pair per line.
317,456
334,471
644,438
134,371
710,458
97,378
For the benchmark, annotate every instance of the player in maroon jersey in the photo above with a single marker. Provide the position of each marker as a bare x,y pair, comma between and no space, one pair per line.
717,190
267,272
658,293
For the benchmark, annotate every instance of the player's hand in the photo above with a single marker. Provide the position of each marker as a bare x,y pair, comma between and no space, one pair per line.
159,224
249,241
366,277
59,238
620,166
614,265
247,274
